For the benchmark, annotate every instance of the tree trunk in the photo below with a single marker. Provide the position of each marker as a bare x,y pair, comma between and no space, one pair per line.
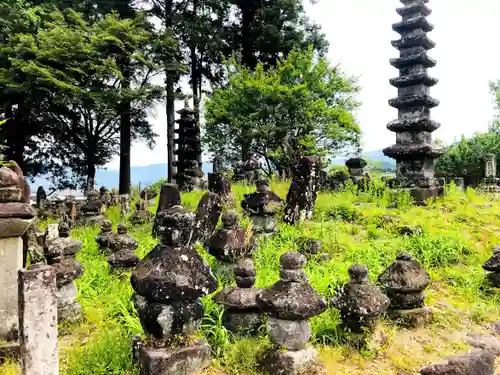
170,105
125,141
196,83
247,42
91,169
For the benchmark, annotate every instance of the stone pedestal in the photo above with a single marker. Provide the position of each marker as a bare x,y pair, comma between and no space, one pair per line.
414,151
171,361
38,320
490,182
301,197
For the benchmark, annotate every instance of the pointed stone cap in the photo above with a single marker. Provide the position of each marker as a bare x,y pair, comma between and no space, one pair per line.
291,300
493,264
359,297
405,275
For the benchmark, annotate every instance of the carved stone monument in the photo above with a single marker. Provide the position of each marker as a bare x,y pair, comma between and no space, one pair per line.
169,283
61,255
170,196
105,236
290,303
301,197
207,216
414,151
404,282
230,244
16,216
241,314
490,182
262,207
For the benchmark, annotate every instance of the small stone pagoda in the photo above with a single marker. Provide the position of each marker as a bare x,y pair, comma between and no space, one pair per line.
404,282
262,207
104,195
241,314
122,245
91,211
492,266
187,150
312,249
357,174
105,236
61,255
251,168
290,303
414,150
141,214
361,304
169,283
231,243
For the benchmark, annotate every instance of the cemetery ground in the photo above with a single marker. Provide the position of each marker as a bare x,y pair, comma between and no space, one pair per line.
451,237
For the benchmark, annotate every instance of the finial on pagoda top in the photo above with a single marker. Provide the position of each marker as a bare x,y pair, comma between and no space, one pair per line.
186,111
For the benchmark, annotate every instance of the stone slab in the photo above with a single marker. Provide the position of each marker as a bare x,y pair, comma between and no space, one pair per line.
300,362
38,320
189,360
14,227
11,261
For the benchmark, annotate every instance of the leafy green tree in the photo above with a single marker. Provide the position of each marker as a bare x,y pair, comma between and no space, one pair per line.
266,31
465,158
303,106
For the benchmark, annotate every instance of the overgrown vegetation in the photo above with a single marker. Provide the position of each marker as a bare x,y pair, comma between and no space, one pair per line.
455,237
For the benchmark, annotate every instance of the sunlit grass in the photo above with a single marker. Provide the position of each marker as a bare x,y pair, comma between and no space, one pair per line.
456,234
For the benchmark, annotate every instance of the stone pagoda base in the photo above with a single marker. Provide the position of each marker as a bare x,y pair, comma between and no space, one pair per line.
490,185
279,362
189,360
413,318
421,194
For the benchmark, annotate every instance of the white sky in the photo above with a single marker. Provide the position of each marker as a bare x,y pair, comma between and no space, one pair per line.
359,32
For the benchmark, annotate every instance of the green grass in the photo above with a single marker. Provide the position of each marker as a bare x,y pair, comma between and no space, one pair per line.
456,237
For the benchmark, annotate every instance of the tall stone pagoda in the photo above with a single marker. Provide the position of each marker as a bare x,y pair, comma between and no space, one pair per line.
414,150
187,150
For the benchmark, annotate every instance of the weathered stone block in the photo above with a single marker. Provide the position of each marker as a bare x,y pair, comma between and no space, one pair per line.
14,227
413,318
38,320
189,360
289,334
299,362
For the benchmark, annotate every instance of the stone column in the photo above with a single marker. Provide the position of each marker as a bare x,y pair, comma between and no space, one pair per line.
38,320
414,150
15,219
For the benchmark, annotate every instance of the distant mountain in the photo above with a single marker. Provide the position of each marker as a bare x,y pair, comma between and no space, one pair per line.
376,156
143,175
